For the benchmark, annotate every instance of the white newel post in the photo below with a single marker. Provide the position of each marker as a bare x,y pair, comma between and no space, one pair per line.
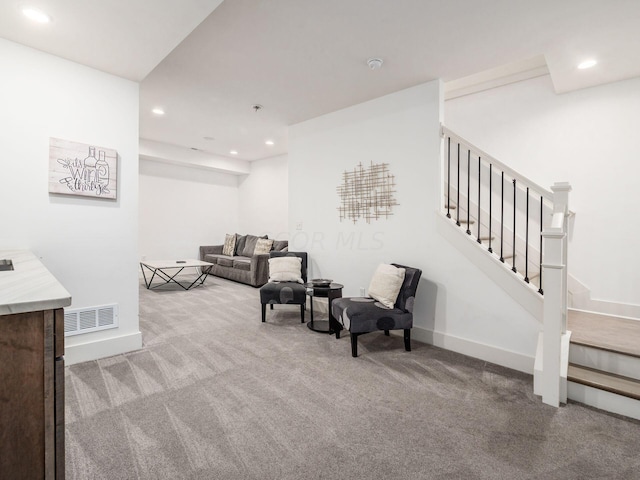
555,296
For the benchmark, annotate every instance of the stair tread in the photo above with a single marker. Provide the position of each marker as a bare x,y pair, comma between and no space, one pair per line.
605,332
610,382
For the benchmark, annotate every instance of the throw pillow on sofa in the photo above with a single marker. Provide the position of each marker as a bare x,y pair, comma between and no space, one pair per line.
280,245
250,245
263,245
285,269
229,246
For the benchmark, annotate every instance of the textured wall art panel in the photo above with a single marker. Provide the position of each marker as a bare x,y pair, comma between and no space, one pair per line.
367,193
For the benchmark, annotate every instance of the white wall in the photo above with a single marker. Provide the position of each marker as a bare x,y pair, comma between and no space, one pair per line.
182,208
90,245
264,198
587,137
456,306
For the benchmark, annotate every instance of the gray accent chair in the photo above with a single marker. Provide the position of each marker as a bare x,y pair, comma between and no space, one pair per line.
285,293
361,315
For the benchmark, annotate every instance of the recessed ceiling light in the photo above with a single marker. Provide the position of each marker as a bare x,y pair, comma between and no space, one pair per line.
36,15
158,111
587,64
209,138
233,152
269,142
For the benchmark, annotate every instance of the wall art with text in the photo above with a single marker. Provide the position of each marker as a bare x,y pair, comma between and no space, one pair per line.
82,169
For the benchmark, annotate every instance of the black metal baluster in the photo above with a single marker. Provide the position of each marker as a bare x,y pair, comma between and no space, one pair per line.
502,219
468,192
490,201
526,242
540,290
448,176
514,269
458,201
478,219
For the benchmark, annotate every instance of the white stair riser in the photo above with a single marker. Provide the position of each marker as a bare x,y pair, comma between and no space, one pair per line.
610,362
610,402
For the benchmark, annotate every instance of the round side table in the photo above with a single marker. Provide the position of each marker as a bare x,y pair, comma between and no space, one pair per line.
334,290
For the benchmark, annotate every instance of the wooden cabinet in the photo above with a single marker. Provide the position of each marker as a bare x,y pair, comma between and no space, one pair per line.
32,395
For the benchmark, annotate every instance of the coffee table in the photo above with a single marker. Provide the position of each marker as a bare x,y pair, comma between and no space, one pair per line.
168,270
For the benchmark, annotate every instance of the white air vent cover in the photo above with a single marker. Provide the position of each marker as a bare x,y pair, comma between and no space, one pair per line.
90,319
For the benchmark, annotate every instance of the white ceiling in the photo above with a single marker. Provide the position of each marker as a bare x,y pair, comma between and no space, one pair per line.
303,58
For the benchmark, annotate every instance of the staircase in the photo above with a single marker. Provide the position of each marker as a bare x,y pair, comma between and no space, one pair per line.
584,356
497,240
604,362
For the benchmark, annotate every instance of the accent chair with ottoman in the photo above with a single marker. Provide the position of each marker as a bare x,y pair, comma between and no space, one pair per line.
389,306
287,276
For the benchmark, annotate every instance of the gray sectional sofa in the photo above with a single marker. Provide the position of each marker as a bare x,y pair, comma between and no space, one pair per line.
244,265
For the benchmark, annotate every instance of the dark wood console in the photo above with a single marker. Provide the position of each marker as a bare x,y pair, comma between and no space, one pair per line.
31,371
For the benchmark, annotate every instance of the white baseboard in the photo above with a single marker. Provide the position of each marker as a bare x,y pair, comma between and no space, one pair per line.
94,350
488,353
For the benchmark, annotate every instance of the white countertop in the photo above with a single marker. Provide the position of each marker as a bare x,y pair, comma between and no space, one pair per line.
29,287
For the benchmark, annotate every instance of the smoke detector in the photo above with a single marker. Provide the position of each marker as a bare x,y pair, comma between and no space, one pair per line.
374,63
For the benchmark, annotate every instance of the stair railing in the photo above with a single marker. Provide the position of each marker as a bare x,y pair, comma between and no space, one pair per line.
516,194
523,205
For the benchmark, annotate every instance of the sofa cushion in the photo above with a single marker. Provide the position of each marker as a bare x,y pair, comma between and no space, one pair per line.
229,247
213,258
263,245
386,283
249,245
279,245
225,261
242,263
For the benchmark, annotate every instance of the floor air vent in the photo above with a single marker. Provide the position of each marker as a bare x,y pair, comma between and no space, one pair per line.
85,320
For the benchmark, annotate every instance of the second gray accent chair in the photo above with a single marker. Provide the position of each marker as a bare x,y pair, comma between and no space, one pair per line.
361,315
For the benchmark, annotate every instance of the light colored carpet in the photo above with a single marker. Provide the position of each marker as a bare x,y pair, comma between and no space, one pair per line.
216,394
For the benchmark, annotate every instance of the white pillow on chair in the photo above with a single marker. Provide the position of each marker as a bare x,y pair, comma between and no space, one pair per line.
386,283
285,269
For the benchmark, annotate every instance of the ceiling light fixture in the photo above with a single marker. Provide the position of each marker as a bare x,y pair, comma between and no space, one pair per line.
158,111
209,138
587,64
269,142
233,152
374,63
36,15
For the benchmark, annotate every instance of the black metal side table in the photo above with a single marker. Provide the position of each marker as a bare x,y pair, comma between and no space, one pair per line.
330,292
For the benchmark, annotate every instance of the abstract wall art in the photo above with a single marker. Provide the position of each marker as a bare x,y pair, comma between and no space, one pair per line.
81,169
367,193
